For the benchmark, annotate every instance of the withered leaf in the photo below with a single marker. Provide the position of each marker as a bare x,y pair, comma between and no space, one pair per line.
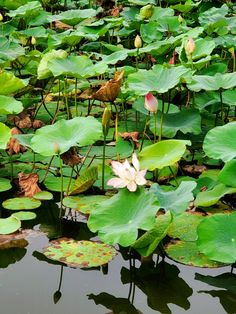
194,169
23,121
71,158
29,183
61,25
13,146
131,136
16,239
37,124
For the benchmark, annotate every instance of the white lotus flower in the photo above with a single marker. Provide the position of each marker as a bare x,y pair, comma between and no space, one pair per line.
129,176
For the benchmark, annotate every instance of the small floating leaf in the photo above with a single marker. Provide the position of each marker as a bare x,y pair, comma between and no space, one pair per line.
43,195
84,204
24,215
21,203
9,225
5,184
79,253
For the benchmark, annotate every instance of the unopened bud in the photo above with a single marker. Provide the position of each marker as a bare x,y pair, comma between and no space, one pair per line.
190,46
33,41
146,12
106,117
138,42
56,148
180,19
151,103
1,17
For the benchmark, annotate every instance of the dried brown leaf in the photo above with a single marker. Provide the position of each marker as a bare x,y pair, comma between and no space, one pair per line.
71,158
23,121
29,183
194,169
61,25
131,136
37,124
13,146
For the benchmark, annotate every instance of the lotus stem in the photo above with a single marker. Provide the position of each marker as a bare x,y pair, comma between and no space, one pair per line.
47,170
222,106
103,161
66,99
61,196
162,118
71,174
155,126
144,131
76,106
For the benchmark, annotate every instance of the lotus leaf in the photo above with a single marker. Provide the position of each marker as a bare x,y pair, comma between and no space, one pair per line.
9,225
160,79
211,197
217,237
184,226
5,134
24,215
148,242
10,83
29,8
9,50
176,201
73,17
84,181
64,134
5,184
162,154
79,253
186,121
187,252
21,203
43,195
220,143
118,219
227,174
54,183
84,204
9,105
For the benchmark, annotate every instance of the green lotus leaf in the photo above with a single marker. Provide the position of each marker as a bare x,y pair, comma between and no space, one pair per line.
84,181
29,8
9,225
211,197
186,121
54,183
10,50
215,82
177,201
148,242
227,174
118,219
162,154
43,195
21,203
160,79
5,134
116,56
220,143
10,83
61,136
217,237
79,253
149,32
9,105
73,17
76,66
5,184
84,204
43,71
12,4
184,226
24,215
187,252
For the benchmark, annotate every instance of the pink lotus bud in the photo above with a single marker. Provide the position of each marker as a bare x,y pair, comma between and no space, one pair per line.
190,46
151,103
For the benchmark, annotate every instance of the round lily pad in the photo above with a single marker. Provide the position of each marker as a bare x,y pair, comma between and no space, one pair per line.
21,203
79,253
84,204
184,226
186,252
43,195
217,237
5,184
9,225
24,215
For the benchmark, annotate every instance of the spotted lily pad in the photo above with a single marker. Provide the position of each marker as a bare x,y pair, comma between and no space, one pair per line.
43,195
21,203
84,204
24,215
186,252
9,225
5,184
79,253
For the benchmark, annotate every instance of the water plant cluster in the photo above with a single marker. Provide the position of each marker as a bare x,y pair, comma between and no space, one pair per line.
126,110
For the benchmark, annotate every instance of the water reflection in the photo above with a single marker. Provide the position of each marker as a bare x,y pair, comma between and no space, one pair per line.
227,297
11,256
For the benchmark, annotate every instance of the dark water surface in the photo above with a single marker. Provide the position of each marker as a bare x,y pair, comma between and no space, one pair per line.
28,286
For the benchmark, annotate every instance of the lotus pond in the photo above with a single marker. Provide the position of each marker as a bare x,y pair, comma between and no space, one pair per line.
118,155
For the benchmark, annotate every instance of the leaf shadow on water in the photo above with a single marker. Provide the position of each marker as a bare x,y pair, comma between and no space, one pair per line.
11,256
161,284
227,297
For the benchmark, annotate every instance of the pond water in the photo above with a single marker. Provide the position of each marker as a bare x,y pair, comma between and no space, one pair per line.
29,284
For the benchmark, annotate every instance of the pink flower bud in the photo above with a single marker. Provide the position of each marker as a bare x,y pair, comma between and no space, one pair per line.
190,46
151,103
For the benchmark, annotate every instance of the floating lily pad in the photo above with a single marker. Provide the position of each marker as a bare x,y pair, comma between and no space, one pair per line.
21,203
217,237
79,253
9,225
187,253
162,154
84,204
84,181
24,215
54,183
220,143
5,184
43,195
184,226
118,219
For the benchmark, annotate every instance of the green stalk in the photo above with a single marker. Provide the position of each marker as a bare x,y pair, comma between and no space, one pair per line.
61,196
103,161
76,107
162,118
222,106
144,131
66,99
71,174
155,126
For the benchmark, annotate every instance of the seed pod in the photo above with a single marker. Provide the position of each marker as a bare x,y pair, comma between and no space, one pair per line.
138,42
